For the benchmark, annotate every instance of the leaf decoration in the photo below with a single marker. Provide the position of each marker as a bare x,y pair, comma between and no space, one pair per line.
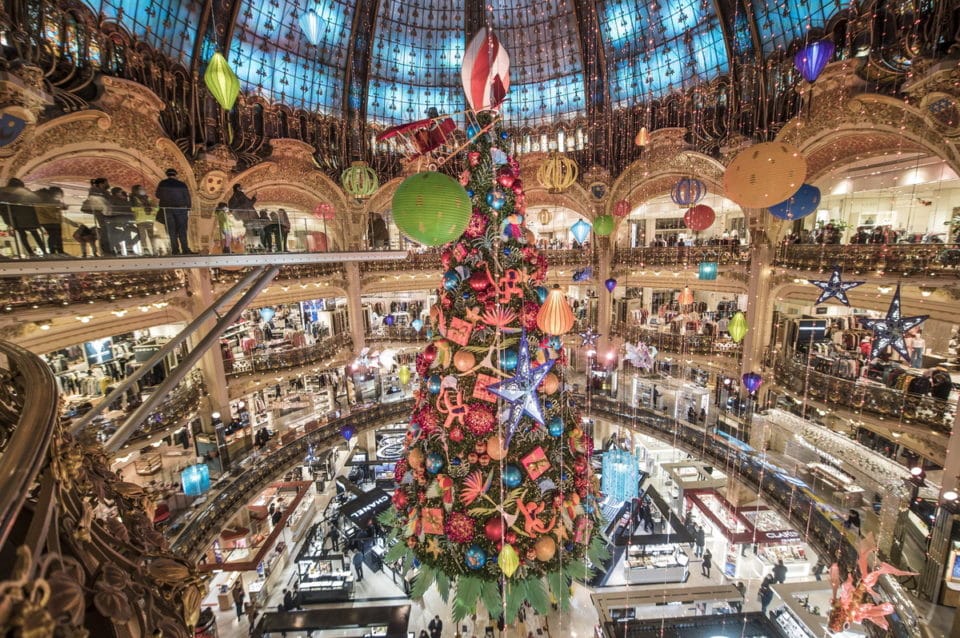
598,552
516,592
490,593
558,584
465,600
396,552
422,582
443,586
537,594
577,570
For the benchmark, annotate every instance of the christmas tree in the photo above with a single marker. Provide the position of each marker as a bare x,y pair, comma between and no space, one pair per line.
495,498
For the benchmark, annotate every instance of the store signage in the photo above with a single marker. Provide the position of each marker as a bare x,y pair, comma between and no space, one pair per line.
365,507
780,536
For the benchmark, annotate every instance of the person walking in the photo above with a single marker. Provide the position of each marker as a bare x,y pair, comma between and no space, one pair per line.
97,204
738,604
173,198
50,216
238,596
706,564
699,540
283,230
766,597
289,602
780,572
358,565
435,627
818,570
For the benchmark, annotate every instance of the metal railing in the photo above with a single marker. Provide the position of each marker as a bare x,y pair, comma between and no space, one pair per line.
901,259
676,343
682,256
71,529
62,290
882,401
283,359
430,260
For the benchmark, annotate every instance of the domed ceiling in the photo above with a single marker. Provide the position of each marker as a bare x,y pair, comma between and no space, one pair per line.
565,54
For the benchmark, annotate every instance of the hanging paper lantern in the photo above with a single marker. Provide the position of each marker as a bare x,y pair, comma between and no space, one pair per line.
737,328
485,71
610,284
347,432
403,374
545,216
707,270
557,173
752,381
642,138
417,325
686,296
431,208
580,230
687,192
799,205
324,212
312,25
221,81
765,174
389,320
267,313
360,181
603,225
699,218
508,560
813,58
555,316
621,208
195,479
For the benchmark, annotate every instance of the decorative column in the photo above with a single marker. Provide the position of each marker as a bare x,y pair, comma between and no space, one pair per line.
354,306
211,365
604,297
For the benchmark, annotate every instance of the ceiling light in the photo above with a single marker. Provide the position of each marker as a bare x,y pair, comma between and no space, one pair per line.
926,291
884,290
84,318
950,495
118,313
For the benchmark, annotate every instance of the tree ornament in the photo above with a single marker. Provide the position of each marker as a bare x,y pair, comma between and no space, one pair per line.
417,325
687,192
737,327
508,560
520,391
764,174
433,384
451,281
834,287
494,529
557,173
221,81
700,217
505,176
545,548
475,558
603,225
347,432
403,374
431,208
642,137
434,463
324,212
508,360
495,448
891,330
555,316
359,180
464,360
556,427
512,477
550,384
496,198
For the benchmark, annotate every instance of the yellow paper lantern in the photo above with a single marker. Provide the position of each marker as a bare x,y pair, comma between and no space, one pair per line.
508,560
360,181
403,374
737,328
221,81
555,317
558,173
764,175
642,138
545,216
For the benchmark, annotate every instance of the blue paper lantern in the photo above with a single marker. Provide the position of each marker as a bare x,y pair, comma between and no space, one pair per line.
512,477
389,320
707,270
433,384
347,432
610,284
475,557
312,25
687,192
267,314
805,201
416,324
556,426
621,474
450,281
752,381
813,58
434,463
580,230
508,360
195,479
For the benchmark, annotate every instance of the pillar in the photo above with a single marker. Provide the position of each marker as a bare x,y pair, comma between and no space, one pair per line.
604,297
211,365
354,306
759,309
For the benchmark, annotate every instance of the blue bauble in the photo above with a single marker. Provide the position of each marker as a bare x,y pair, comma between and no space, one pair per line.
547,404
433,384
556,343
508,360
496,198
470,192
504,135
512,477
472,130
434,463
475,558
556,426
541,293
451,280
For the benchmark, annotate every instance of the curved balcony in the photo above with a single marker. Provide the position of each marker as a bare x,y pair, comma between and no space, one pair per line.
695,344
287,273
284,359
84,538
430,260
61,290
881,401
902,259
682,256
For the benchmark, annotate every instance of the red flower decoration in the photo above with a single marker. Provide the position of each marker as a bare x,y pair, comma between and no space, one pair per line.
400,499
529,315
477,226
459,527
445,258
399,470
480,420
423,366
427,419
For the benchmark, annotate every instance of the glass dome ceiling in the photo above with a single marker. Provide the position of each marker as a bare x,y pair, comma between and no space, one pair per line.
645,49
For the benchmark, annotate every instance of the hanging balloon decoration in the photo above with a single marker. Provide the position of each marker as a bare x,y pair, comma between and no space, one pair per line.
764,175
752,381
557,173
805,201
687,192
555,316
737,327
621,208
221,81
267,313
431,208
485,71
812,59
360,181
610,284
580,230
699,217
603,225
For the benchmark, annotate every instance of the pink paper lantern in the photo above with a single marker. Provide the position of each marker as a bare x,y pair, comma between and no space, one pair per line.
325,212
621,208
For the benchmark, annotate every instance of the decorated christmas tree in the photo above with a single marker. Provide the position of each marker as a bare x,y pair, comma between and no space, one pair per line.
495,499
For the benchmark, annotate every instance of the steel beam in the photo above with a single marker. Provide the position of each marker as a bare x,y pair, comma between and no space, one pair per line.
212,337
16,268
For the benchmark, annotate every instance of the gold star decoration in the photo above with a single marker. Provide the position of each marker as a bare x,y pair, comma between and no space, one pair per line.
433,547
472,314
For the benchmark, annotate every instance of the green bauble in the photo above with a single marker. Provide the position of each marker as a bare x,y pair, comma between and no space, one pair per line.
603,225
431,208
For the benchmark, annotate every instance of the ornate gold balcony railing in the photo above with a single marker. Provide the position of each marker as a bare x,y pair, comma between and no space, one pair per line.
284,359
681,256
430,261
697,344
40,291
901,259
885,402
81,557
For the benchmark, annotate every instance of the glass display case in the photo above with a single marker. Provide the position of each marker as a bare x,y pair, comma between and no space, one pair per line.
789,625
322,577
665,563
794,559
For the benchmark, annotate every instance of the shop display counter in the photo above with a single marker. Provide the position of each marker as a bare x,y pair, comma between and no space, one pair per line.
299,521
789,625
655,564
149,463
794,559
319,583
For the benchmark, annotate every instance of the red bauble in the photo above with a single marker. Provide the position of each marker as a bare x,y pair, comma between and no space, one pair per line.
700,217
480,419
430,353
477,226
456,435
464,178
459,527
505,177
510,537
517,187
494,529
621,208
478,280
400,499
473,157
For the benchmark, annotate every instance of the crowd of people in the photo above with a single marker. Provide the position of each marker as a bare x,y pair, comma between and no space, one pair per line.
831,233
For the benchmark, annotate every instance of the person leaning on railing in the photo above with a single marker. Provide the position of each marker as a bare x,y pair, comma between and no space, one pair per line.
50,216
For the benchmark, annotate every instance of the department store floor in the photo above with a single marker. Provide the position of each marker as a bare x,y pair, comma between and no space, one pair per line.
380,589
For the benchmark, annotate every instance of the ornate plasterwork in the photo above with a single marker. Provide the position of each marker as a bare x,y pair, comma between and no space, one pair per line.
656,174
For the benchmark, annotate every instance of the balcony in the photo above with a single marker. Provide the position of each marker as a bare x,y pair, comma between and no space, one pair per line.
41,291
904,260
682,256
284,359
689,344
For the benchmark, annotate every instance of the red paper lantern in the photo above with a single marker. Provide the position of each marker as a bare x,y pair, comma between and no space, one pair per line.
699,217
324,212
621,208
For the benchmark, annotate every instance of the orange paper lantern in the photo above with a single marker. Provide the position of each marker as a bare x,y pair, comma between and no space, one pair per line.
764,175
555,317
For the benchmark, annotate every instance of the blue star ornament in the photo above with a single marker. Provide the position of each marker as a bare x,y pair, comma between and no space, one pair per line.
588,338
520,391
891,330
834,287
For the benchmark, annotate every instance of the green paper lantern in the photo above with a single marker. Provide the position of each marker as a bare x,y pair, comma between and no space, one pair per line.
603,225
431,208
738,327
508,560
360,181
221,81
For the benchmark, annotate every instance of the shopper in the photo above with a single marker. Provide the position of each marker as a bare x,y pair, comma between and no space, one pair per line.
766,597
853,520
289,601
97,204
173,198
238,596
50,216
699,540
780,572
334,537
143,217
435,627
706,564
423,634
818,570
738,604
17,210
358,565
